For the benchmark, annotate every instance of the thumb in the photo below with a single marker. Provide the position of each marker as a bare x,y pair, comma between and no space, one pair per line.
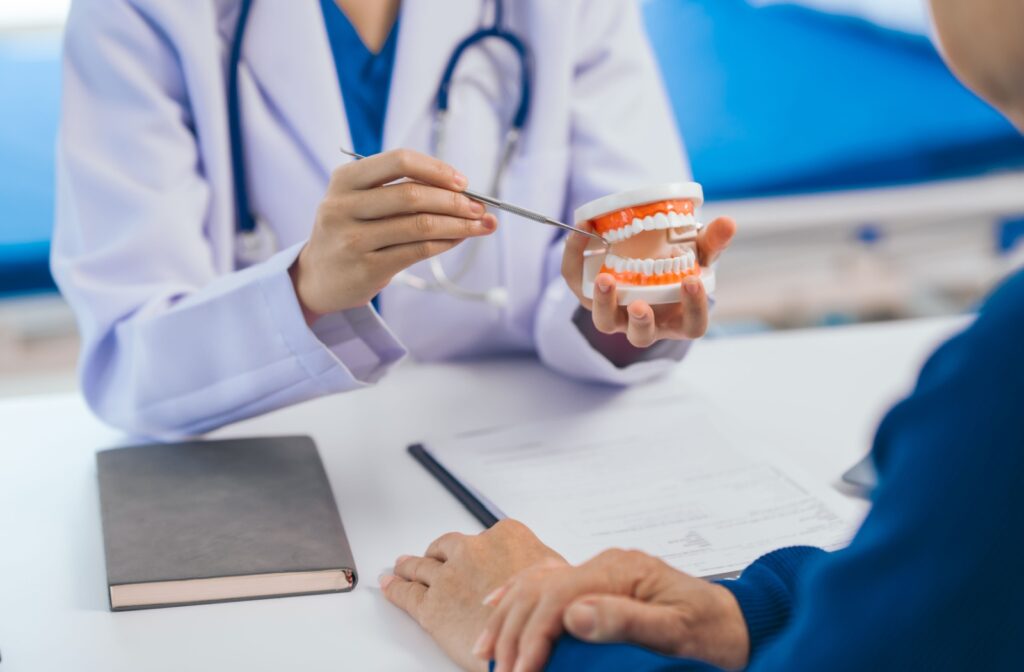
611,618
715,237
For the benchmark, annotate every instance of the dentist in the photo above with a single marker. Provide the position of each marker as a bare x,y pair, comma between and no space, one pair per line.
221,255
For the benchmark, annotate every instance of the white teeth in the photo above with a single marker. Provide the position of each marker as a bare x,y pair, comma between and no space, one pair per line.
651,267
657,222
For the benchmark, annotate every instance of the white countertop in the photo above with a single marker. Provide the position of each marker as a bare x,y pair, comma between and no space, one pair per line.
819,394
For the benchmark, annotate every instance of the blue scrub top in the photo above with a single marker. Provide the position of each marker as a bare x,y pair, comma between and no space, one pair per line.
364,78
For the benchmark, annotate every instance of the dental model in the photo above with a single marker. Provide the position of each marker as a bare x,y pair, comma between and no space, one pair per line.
653,238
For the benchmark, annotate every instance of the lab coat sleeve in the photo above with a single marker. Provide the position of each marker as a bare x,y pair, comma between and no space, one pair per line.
173,342
623,136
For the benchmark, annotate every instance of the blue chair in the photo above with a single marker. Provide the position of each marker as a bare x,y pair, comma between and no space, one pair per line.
783,100
29,101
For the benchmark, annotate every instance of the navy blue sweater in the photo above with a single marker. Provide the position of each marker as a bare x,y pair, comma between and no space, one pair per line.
929,582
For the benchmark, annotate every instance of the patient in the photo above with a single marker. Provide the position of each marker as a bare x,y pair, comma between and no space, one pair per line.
930,582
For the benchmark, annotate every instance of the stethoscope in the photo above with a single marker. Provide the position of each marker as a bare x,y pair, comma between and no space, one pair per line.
255,241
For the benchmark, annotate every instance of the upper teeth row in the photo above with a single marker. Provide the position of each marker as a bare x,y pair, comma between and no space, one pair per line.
662,220
651,266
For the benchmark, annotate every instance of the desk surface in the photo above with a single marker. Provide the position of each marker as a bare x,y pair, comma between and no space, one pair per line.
818,394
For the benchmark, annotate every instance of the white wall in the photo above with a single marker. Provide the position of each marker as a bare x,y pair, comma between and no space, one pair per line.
32,13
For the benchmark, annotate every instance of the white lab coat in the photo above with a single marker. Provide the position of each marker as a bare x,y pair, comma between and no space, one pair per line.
177,340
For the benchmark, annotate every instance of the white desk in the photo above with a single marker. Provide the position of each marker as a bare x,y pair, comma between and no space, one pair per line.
818,393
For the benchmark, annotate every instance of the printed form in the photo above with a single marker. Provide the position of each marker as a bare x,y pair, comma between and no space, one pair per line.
671,479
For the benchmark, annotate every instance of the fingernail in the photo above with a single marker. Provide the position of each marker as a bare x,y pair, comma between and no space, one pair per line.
488,224
584,618
402,558
480,647
385,580
460,181
476,208
604,285
493,596
692,286
637,315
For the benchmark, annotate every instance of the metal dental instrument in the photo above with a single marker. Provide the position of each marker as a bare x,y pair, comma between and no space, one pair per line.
514,209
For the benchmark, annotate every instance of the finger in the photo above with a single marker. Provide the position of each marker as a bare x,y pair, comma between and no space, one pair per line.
484,646
715,237
542,628
406,595
506,649
392,260
423,570
445,546
381,169
608,319
613,618
641,330
424,226
410,198
695,308
572,261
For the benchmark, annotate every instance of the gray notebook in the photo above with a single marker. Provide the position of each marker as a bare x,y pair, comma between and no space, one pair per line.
213,521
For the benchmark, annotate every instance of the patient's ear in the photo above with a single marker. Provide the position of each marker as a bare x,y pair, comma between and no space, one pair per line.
983,42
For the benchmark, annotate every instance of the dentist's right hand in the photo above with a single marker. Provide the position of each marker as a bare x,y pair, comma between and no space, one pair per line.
370,226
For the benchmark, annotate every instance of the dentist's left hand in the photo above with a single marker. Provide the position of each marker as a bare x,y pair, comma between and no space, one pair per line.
380,216
643,324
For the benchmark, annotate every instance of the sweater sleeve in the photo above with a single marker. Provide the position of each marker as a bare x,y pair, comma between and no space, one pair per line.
767,592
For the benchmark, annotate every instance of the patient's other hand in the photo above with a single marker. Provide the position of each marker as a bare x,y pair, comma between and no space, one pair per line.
444,591
619,596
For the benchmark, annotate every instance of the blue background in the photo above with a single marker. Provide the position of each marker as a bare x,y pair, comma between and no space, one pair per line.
770,100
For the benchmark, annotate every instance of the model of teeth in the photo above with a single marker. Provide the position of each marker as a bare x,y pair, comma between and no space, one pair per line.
653,237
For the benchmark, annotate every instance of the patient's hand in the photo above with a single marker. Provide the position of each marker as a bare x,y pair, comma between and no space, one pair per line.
444,591
619,596
643,324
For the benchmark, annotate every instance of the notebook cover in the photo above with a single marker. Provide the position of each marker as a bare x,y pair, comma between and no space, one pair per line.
208,509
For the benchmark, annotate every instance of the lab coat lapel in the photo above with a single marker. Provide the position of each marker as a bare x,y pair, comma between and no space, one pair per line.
427,37
289,55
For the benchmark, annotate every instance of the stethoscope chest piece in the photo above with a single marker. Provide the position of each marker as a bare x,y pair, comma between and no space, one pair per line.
256,245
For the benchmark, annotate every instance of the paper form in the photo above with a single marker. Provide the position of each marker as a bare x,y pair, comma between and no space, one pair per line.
666,478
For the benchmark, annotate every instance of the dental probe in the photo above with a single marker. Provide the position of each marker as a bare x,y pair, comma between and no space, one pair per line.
514,209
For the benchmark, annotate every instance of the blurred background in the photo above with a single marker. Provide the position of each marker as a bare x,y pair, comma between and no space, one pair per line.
868,183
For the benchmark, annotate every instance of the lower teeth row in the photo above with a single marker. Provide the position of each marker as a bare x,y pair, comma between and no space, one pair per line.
651,266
